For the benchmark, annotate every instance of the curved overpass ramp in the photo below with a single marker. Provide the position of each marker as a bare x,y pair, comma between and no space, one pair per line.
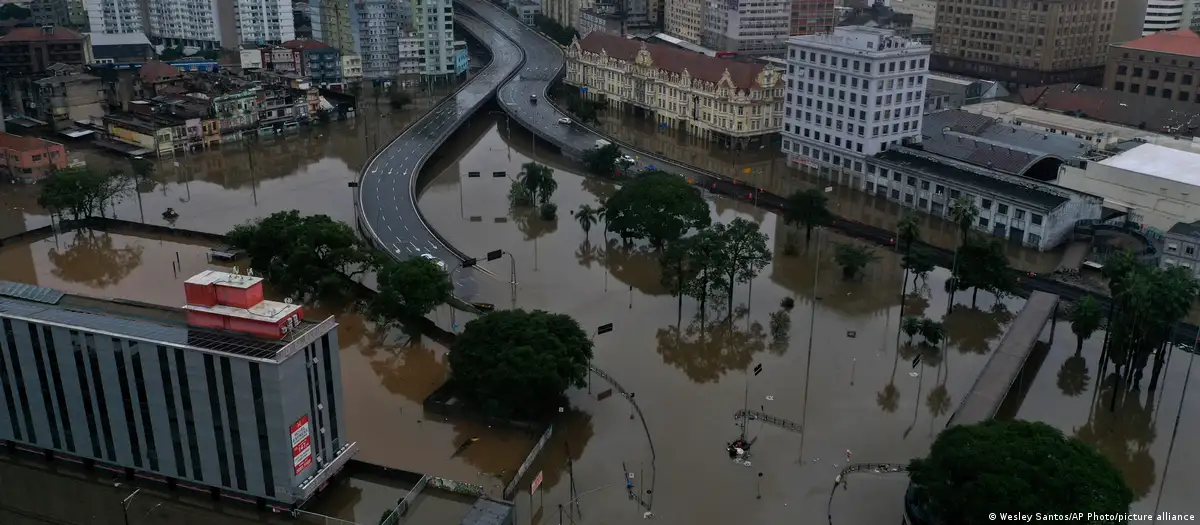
387,193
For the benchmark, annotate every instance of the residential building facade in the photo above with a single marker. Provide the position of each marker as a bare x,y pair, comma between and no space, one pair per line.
121,48
751,27
67,96
731,102
231,394
379,30
408,63
1181,247
318,61
29,159
1024,42
434,21
596,19
116,17
205,24
685,19
28,51
462,59
333,22
852,94
924,12
263,22
64,13
352,71
1164,65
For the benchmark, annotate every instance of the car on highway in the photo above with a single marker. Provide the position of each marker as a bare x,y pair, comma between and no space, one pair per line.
564,120
533,99
429,257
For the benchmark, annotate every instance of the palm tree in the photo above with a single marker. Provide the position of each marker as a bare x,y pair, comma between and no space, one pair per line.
587,216
808,208
964,213
889,398
911,326
909,230
932,331
538,181
1085,319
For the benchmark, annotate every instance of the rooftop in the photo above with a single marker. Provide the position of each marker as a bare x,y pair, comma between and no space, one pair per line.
710,69
1159,161
1179,42
144,322
487,511
1024,192
862,40
986,142
156,70
119,39
876,15
1186,229
1146,113
304,44
231,280
19,143
41,34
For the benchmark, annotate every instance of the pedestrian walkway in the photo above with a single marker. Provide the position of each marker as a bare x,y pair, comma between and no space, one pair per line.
1006,363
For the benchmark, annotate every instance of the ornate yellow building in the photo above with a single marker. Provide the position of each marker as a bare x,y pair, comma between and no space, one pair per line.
723,100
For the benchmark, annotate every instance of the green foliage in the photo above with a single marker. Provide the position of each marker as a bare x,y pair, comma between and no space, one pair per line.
911,325
743,253
854,259
689,266
538,180
983,265
1019,466
14,12
909,230
918,261
518,363
519,196
172,53
408,289
964,213
1150,301
932,331
657,206
587,217
548,211
1086,317
808,208
304,257
787,303
82,192
602,160
554,30
582,109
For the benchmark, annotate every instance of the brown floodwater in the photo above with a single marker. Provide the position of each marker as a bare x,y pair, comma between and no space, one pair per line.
854,391
217,189
385,375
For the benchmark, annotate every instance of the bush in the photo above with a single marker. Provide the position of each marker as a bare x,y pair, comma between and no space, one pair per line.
548,211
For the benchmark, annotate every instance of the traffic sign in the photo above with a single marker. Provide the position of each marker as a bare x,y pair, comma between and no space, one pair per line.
758,369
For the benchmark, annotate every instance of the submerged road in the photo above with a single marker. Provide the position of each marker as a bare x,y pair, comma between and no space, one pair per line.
387,192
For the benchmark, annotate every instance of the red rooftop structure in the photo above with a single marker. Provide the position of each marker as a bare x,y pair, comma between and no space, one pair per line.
229,301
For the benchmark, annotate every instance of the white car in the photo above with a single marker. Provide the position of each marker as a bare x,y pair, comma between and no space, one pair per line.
429,257
564,120
626,159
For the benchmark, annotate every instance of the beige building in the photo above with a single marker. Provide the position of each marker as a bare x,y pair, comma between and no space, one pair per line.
1159,66
565,12
684,19
924,12
352,72
1025,43
736,103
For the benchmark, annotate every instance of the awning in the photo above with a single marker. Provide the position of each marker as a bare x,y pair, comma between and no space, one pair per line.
24,122
77,132
121,147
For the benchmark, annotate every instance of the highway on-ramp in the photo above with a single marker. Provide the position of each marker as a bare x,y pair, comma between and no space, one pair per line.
387,191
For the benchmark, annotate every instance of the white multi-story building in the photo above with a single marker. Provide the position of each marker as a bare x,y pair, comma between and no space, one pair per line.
115,16
1165,15
264,21
850,95
191,23
409,63
434,20
333,23
756,27
377,24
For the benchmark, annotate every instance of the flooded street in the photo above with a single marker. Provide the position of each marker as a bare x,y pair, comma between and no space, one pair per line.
861,395
220,188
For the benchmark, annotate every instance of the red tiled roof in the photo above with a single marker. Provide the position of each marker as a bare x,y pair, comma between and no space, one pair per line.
1116,107
1180,42
35,34
304,44
698,65
154,70
19,143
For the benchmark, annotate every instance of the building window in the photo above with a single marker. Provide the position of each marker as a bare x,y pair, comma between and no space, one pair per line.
1151,91
1119,86
983,222
1172,247
1035,219
1189,250
47,402
1166,93
1002,209
1019,214
985,204
189,420
1135,88
1153,74
1122,70
1137,72
235,427
1035,239
168,388
214,404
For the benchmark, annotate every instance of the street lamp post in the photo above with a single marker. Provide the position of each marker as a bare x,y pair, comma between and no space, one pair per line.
812,325
136,190
467,263
125,505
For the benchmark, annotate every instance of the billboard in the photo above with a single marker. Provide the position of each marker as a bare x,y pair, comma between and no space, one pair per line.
301,435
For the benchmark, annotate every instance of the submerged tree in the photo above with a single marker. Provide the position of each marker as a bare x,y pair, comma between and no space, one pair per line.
854,259
657,206
1086,317
743,253
808,208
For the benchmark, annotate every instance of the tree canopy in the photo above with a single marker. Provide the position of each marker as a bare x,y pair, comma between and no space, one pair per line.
808,208
408,289
538,180
854,259
983,265
1086,317
305,257
82,192
602,160
742,253
657,206
514,363
14,12
554,30
1017,466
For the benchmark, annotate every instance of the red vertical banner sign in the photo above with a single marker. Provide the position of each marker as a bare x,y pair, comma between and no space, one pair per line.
301,434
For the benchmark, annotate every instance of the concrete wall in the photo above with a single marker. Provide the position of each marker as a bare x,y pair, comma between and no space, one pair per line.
1155,202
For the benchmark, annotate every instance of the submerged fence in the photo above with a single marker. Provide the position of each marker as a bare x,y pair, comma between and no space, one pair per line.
511,489
646,428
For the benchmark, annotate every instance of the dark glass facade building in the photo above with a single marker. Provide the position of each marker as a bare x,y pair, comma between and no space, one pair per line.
139,389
